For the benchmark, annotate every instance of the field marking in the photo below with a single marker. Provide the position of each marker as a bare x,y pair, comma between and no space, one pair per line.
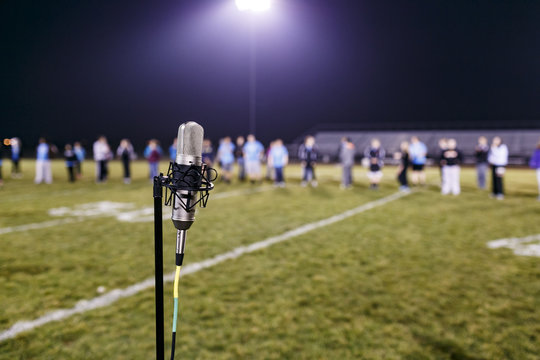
107,208
232,193
117,294
40,225
525,246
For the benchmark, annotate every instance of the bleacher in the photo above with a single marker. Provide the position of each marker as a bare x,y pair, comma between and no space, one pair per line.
521,143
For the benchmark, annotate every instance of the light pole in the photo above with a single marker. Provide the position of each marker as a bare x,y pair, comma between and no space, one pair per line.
253,6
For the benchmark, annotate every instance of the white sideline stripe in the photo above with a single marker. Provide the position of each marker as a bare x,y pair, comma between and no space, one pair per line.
51,223
117,294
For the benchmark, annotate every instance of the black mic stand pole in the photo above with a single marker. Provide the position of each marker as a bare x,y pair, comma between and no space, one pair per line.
158,256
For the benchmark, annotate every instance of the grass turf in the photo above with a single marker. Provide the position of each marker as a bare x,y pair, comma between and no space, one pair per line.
412,279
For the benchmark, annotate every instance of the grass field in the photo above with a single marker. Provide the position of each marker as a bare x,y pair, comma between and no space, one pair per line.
411,279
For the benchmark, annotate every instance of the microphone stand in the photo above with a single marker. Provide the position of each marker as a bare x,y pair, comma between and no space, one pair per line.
158,263
203,186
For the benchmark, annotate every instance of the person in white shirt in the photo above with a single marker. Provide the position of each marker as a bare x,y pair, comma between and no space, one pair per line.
102,154
498,159
43,163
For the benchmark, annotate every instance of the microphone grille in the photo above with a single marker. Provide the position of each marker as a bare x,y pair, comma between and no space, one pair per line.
190,139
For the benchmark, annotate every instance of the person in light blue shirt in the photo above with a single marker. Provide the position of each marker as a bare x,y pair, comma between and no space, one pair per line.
225,157
253,151
43,163
80,153
172,150
15,158
418,154
534,163
278,158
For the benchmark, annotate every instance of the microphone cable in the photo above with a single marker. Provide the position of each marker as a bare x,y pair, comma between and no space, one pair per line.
175,312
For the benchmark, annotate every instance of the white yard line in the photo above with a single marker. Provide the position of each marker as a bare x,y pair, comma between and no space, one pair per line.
239,192
525,246
56,222
117,294
40,225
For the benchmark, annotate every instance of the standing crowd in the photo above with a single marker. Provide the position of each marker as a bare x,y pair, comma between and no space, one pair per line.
248,154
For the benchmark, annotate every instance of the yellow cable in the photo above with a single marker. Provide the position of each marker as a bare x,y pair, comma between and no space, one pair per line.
176,280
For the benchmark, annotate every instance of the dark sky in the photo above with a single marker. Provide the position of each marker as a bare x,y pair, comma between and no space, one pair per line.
75,69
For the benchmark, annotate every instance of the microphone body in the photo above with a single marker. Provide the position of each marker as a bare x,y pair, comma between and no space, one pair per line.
189,154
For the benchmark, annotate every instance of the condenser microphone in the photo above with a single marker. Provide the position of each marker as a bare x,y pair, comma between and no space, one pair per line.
189,159
189,182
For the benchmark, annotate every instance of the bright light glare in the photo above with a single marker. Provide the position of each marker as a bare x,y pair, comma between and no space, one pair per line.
253,5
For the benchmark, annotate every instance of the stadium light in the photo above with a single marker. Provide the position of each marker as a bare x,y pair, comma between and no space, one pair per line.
253,5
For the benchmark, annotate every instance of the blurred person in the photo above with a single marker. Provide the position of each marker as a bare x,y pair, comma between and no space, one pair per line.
173,149
375,155
481,152
16,151
418,156
43,163
451,159
498,159
217,159
102,155
270,173
535,164
278,158
346,158
225,157
443,145
239,155
253,152
126,153
71,160
307,153
1,158
153,153
403,156
80,153
342,144
208,153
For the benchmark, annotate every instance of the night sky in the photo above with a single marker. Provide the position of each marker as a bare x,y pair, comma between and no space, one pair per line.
72,70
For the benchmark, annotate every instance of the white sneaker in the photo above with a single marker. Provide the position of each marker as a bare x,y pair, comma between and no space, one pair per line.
314,183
